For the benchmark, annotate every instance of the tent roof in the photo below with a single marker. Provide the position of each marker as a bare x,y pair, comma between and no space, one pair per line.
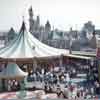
25,45
84,53
12,71
78,56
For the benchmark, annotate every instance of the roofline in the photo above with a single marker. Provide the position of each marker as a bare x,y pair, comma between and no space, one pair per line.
84,53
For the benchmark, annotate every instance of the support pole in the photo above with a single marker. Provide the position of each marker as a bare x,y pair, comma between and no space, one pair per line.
35,64
60,61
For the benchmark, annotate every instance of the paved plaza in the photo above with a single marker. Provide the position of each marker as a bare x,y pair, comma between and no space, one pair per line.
12,95
30,96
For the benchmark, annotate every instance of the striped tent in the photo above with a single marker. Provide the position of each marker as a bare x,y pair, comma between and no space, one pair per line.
25,45
12,71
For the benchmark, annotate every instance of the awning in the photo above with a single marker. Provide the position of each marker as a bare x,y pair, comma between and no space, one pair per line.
12,71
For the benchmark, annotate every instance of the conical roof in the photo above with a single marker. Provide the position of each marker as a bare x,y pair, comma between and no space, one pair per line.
12,71
25,45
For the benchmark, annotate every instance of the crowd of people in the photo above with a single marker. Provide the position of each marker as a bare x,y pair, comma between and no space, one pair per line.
55,79
59,81
13,85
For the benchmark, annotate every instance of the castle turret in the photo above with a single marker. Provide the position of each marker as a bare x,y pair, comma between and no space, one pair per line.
31,20
38,21
47,30
47,27
31,12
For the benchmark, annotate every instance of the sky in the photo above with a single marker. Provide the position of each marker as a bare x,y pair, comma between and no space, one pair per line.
62,14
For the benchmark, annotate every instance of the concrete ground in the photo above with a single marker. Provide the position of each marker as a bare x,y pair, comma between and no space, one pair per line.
30,95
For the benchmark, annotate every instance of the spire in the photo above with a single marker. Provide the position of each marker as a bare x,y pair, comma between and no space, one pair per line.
38,20
31,8
47,24
31,12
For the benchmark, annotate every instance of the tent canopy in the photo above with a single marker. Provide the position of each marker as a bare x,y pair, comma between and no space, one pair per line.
25,45
78,56
12,71
84,53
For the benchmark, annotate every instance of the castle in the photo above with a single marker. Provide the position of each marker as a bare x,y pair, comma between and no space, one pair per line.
39,31
72,39
86,38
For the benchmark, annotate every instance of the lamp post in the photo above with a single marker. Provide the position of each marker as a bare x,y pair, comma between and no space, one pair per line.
35,64
60,61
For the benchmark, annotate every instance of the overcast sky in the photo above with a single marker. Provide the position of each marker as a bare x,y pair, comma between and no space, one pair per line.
62,14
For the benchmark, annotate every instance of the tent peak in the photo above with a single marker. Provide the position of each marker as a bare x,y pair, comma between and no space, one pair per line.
23,27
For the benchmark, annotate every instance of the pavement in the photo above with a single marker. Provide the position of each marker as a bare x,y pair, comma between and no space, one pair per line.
30,95
12,95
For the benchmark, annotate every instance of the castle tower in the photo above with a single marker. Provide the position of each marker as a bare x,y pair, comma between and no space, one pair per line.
38,21
47,30
31,20
37,24
47,27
